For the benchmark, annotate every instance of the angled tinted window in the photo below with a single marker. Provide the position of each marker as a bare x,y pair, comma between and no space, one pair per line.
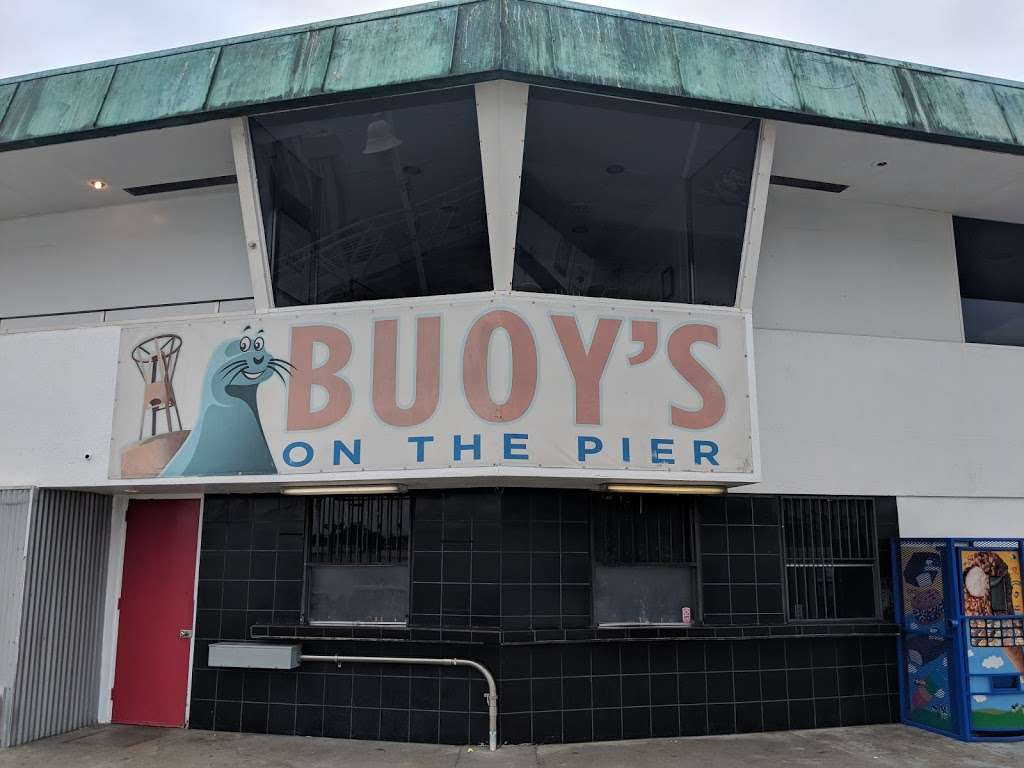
374,200
990,259
631,200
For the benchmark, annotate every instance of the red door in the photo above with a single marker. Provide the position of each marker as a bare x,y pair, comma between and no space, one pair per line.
151,670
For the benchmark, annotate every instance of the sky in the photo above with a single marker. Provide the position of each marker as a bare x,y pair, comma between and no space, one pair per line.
982,37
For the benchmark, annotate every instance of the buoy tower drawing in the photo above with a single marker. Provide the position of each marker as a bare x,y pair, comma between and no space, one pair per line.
160,430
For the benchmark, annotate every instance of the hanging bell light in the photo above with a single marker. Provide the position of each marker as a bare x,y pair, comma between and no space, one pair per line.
380,137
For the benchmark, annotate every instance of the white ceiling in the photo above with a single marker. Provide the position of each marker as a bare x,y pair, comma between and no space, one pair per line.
54,178
965,182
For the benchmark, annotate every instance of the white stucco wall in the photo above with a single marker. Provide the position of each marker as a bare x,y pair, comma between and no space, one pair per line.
975,518
833,265
56,405
182,248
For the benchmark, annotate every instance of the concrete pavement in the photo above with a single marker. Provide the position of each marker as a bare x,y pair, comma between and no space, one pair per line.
877,746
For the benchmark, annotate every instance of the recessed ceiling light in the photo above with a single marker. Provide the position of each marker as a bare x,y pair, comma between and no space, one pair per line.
615,169
412,170
881,164
98,184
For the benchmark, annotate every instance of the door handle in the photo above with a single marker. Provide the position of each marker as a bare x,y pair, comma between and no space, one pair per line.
184,634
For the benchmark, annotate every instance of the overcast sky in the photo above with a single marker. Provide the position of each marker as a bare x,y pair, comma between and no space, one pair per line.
984,36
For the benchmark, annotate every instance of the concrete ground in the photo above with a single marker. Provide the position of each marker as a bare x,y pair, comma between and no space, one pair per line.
882,745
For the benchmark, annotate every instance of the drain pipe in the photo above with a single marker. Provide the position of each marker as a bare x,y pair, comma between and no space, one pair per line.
491,696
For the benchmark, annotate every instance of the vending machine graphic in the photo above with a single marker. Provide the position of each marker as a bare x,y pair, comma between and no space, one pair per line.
961,613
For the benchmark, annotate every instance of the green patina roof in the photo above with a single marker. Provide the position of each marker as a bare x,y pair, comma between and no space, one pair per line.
535,40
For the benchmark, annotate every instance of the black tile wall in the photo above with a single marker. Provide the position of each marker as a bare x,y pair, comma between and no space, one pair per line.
519,562
741,560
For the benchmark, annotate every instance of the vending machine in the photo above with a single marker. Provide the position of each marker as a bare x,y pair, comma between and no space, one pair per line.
961,649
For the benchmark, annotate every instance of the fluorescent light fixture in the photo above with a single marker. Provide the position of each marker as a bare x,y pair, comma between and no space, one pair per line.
696,490
340,490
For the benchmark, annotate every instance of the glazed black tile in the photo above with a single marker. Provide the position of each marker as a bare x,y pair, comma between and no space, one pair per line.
229,685
607,692
254,717
547,727
288,595
365,691
741,540
874,679
575,568
693,688
204,684
576,601
635,659
747,686
201,714
716,600
211,564
456,567
365,723
515,600
234,594
825,682
663,657
852,711
238,535
455,694
773,684
515,536
515,662
227,716
714,540
876,710
690,657
769,598
424,726
745,655
454,728
486,568
309,720
664,689
636,690
282,687
769,568
605,659
738,510
546,660
800,683
693,720
426,566
848,652
851,681
719,656
232,625
546,600
455,599
236,565
775,715
826,713
515,728
577,725
766,540
394,692
744,599
607,724
576,693
741,569
798,653
310,689
575,660
281,718
394,724
748,718
766,510
636,722
486,536
720,687
721,718
664,722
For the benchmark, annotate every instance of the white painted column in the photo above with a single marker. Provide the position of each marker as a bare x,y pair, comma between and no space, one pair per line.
501,117
252,215
752,235
111,611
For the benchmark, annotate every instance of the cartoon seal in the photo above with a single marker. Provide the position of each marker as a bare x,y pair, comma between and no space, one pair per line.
228,437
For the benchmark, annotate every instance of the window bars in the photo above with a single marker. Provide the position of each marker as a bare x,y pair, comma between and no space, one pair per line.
643,530
359,530
831,557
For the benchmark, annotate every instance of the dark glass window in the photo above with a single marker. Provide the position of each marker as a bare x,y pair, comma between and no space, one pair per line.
374,200
645,563
630,200
357,559
830,549
990,260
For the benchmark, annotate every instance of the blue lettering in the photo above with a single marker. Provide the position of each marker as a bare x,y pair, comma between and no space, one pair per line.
458,447
587,445
287,455
353,455
661,451
705,449
625,449
420,441
515,442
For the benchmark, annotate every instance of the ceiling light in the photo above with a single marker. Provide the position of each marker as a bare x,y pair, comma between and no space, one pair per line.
340,490
412,170
696,490
881,164
614,169
98,184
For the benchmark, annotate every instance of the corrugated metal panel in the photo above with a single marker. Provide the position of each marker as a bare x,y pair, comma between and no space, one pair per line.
57,684
15,504
550,40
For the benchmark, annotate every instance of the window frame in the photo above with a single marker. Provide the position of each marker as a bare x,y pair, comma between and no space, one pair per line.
305,618
874,565
692,510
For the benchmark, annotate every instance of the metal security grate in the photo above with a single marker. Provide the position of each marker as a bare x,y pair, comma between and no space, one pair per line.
831,557
639,530
359,530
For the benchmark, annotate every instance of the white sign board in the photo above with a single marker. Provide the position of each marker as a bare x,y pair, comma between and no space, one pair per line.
581,385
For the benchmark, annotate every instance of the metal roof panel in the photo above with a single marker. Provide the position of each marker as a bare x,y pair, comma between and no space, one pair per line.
152,89
57,104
